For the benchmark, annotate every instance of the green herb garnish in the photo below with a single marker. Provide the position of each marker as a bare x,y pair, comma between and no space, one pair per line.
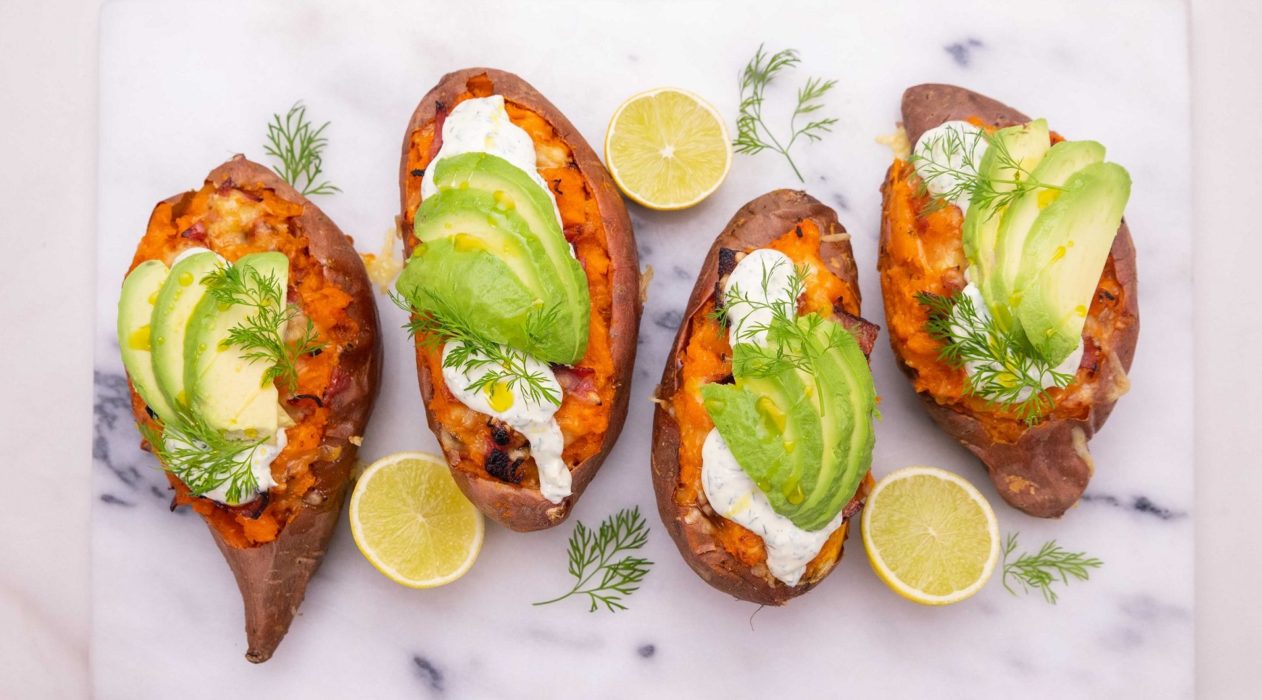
435,320
970,185
260,336
299,146
1003,368
752,133
597,575
204,458
1044,569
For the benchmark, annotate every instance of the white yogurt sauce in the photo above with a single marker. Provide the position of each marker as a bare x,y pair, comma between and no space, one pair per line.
727,487
1069,366
761,276
481,125
736,497
260,465
957,145
533,419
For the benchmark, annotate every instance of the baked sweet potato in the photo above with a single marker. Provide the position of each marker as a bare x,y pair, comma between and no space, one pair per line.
275,543
493,465
1041,469
725,554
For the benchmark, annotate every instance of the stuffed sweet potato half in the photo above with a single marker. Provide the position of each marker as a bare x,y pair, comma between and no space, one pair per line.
762,435
1009,282
250,337
524,288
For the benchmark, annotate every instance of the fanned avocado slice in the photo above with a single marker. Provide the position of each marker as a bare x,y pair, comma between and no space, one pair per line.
1065,253
224,388
464,225
135,332
1061,161
177,300
1024,145
803,435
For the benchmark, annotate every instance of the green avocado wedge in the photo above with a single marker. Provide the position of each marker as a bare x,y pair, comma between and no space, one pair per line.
135,336
803,434
1065,254
177,300
225,388
1064,159
474,242
1022,145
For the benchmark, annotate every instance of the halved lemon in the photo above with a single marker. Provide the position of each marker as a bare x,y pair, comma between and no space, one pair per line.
931,536
667,149
410,520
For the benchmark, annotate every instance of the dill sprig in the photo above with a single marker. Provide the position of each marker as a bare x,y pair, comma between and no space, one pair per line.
260,336
597,575
299,146
752,133
435,320
958,146
1040,571
791,339
1003,367
204,458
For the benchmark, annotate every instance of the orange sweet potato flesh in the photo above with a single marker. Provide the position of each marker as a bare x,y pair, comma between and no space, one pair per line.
726,555
1041,469
274,544
595,221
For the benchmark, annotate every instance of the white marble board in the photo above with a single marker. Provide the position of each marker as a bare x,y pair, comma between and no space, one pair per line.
184,86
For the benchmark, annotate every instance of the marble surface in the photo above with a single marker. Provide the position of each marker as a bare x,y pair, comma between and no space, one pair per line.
166,617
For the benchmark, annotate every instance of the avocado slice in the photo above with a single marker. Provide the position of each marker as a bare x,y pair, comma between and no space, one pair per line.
804,437
1064,255
224,388
469,226
135,338
517,191
177,299
848,400
774,429
1061,161
1025,144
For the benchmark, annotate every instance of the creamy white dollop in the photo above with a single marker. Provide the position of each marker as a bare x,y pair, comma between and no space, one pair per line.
533,419
482,125
260,460
953,145
736,497
761,276
1069,366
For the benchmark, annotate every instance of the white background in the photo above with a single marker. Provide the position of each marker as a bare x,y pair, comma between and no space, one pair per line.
47,179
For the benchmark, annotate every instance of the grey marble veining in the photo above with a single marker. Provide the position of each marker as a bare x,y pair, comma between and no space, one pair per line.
166,614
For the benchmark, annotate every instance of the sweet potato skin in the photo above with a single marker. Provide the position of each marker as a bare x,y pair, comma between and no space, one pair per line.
524,508
1044,471
273,576
755,225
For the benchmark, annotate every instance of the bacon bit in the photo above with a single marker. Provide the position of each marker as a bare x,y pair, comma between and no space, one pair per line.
864,331
502,467
578,382
196,232
225,187
499,432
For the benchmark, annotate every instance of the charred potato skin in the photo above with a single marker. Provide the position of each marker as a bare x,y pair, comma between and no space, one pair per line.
273,576
755,225
1045,471
519,508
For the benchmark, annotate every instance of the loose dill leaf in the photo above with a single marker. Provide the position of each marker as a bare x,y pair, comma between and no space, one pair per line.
260,336
1003,367
299,146
597,574
1040,571
434,318
204,458
752,133
992,194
